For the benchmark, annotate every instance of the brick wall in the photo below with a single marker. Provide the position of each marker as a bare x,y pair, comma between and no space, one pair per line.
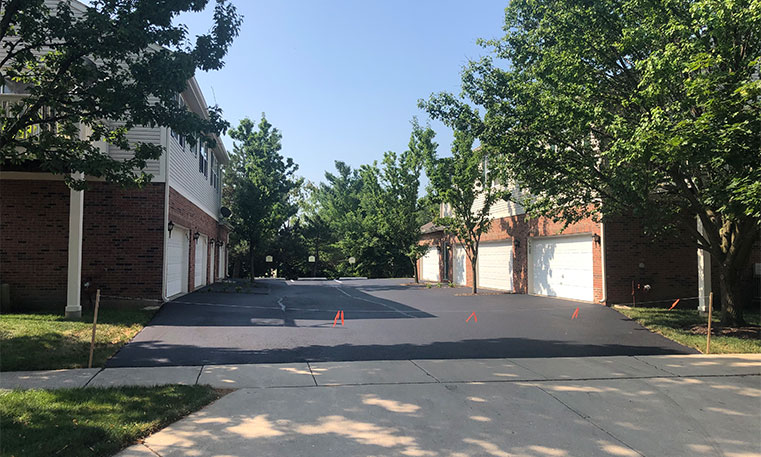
669,265
186,214
123,241
34,234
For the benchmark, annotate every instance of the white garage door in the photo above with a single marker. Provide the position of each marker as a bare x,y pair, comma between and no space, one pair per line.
200,265
562,267
460,265
430,265
211,263
221,272
495,265
177,262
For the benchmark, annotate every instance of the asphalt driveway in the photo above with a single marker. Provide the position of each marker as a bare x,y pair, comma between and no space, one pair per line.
292,321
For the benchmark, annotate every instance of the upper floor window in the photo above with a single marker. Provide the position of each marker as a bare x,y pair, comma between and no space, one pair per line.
203,161
214,174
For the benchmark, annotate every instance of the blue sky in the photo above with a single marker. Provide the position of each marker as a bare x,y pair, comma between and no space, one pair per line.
341,79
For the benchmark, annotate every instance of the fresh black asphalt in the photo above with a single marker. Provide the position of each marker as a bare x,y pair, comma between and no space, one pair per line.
384,319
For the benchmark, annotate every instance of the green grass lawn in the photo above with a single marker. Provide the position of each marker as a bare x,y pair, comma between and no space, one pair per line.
676,324
91,422
49,341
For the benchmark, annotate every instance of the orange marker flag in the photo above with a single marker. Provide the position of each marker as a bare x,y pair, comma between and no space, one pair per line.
672,306
473,315
335,319
342,317
575,314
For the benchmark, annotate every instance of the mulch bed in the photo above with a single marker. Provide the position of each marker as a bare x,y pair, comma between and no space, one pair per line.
750,332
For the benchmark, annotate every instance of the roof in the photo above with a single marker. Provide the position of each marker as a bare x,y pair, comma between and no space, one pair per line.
431,228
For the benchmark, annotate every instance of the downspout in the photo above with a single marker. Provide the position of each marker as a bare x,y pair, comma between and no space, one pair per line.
604,300
165,143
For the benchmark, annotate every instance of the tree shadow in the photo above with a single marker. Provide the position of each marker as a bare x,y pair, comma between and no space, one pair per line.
151,353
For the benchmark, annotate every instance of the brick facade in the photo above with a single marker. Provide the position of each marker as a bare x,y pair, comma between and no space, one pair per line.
34,240
123,240
183,212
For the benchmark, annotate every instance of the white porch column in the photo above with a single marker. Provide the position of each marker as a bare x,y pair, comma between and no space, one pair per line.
704,274
74,270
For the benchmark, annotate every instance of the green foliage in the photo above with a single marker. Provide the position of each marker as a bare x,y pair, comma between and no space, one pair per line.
91,422
649,109
464,181
108,67
260,187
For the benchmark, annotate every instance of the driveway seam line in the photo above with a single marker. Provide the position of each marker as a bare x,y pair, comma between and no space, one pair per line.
314,379
591,422
93,377
151,450
657,368
424,371
527,369
199,373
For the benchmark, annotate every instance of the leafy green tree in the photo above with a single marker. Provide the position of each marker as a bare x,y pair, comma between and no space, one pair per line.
650,109
465,181
260,185
107,67
390,196
335,206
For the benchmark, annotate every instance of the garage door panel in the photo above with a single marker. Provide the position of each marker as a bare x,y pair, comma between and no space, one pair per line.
176,272
460,266
200,261
562,267
495,265
430,265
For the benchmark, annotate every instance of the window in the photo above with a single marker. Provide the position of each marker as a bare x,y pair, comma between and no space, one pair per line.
213,180
203,161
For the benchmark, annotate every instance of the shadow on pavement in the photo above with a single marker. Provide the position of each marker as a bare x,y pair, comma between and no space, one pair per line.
158,354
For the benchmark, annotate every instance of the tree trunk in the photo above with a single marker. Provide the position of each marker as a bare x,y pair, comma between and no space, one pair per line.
251,258
731,310
414,270
474,268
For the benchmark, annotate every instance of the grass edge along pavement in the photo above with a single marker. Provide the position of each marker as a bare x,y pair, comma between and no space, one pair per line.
680,325
46,341
92,421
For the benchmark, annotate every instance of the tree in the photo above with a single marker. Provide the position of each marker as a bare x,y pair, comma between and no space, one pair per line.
650,109
106,67
462,182
391,195
260,185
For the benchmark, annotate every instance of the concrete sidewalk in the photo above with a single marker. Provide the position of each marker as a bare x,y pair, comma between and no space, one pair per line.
695,405
311,374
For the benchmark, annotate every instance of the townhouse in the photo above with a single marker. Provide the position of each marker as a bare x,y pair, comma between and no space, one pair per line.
611,262
137,246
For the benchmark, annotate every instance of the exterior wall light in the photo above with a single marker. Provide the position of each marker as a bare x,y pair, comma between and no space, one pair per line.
196,236
596,237
169,227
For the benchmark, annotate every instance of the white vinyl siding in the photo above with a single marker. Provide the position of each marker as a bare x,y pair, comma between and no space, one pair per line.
460,265
201,261
430,265
562,267
185,177
495,265
141,134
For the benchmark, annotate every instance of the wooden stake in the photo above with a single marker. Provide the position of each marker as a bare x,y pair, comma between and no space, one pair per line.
710,312
94,324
